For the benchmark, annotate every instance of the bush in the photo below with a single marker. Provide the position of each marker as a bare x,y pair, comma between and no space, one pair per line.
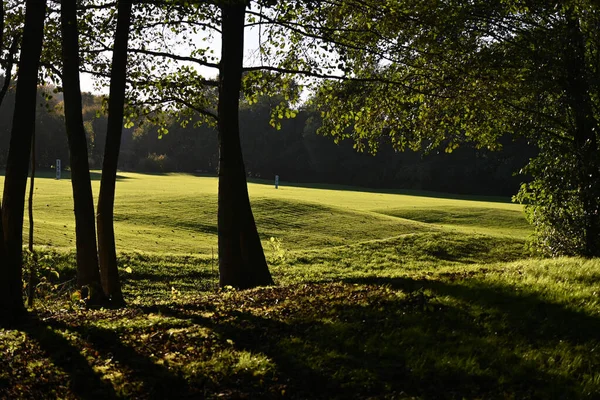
155,163
562,202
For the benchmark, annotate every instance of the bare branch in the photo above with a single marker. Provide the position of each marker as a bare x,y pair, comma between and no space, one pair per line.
189,105
174,57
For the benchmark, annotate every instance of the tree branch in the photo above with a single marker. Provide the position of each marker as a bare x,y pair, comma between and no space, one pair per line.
174,57
135,83
341,78
189,105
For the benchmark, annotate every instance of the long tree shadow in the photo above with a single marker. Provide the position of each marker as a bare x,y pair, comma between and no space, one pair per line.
407,192
390,348
527,314
428,338
157,381
84,381
140,376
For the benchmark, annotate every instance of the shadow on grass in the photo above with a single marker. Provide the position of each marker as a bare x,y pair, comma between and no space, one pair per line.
51,174
181,275
140,375
85,383
96,176
411,347
526,314
407,192
434,339
141,283
156,380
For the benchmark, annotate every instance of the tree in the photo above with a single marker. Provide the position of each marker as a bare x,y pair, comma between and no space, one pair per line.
88,274
241,257
563,201
242,262
18,159
116,103
439,75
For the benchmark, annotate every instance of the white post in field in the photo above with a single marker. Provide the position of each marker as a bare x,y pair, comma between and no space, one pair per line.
58,168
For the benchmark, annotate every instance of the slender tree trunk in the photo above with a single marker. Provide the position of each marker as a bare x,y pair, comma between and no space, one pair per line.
6,314
17,165
106,201
88,273
242,261
4,299
33,267
586,128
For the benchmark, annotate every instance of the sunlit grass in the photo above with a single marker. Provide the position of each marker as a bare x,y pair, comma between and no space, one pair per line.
176,213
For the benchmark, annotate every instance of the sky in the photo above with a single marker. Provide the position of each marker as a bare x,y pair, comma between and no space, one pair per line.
251,45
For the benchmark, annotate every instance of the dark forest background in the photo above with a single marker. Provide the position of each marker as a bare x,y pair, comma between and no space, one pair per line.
295,152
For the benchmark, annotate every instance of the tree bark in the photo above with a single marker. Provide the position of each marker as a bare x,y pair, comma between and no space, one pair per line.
116,103
33,267
6,309
242,261
586,127
17,165
88,273
4,299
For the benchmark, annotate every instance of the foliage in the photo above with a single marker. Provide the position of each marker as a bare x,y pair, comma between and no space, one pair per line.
47,279
433,75
554,204
277,250
155,163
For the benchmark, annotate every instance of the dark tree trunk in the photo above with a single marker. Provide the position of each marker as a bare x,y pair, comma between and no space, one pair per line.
242,261
88,274
586,128
17,165
33,267
106,201
6,309
4,299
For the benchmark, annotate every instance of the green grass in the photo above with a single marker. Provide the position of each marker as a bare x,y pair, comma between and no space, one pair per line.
176,213
379,295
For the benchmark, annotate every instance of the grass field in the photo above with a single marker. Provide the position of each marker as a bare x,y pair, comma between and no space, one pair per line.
176,214
379,295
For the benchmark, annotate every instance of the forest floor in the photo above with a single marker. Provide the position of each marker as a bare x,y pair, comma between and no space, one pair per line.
379,295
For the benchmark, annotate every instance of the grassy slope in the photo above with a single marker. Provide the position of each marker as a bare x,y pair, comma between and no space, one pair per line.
381,295
176,213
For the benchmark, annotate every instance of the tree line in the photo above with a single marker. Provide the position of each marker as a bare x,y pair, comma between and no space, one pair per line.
295,152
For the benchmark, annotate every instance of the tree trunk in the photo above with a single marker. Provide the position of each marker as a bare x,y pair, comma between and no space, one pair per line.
6,309
88,273
586,127
17,165
106,200
33,267
4,298
242,261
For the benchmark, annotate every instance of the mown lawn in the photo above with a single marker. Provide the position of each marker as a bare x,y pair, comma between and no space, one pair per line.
379,295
